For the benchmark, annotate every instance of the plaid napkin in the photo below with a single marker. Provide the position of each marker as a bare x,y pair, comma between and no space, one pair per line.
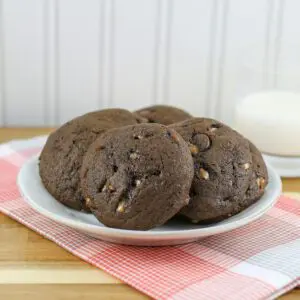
258,261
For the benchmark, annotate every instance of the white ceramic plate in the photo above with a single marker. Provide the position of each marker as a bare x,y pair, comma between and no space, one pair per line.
172,233
285,166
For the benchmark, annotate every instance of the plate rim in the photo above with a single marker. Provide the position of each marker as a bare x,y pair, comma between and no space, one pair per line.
145,235
291,168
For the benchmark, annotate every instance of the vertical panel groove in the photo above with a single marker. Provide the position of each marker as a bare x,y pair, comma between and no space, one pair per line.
79,42
46,62
190,52
272,42
133,62
162,51
266,61
278,38
101,53
51,99
170,4
244,49
57,62
2,68
158,26
221,59
167,49
112,49
210,60
107,59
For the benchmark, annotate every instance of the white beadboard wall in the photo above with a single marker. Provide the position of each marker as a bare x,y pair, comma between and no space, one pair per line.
61,58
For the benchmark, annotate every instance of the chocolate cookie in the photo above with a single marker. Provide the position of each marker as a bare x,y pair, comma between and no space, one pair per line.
163,114
137,177
229,172
259,177
62,155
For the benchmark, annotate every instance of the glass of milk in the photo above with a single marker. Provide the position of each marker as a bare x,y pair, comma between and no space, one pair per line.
267,107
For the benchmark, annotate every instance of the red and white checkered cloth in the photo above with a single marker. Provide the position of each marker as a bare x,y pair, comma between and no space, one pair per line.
258,261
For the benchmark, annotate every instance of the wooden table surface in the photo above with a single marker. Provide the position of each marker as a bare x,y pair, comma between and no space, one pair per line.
31,267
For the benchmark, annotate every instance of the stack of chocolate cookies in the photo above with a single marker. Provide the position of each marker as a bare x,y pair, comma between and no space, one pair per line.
137,170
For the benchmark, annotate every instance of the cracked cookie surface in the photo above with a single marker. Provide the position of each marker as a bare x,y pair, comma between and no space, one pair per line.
230,173
137,177
163,114
62,154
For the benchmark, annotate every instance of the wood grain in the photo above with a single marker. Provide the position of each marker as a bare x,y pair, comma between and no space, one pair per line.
70,292
32,267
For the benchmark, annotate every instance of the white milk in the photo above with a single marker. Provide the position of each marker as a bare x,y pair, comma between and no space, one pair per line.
271,120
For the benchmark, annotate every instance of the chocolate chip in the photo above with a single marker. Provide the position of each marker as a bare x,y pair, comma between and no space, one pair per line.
137,182
88,202
108,187
202,141
261,182
193,148
100,148
138,137
214,127
133,155
246,166
174,136
203,174
121,206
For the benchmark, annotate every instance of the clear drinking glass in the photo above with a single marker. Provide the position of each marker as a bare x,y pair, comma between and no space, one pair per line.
267,106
